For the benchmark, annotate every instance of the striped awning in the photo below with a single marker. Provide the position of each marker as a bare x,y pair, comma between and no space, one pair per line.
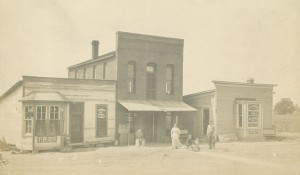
145,105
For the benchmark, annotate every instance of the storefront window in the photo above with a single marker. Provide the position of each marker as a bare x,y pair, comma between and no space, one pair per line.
101,120
54,120
40,120
28,119
253,115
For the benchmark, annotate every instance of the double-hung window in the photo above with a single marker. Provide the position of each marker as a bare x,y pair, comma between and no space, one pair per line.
169,79
28,119
131,77
150,81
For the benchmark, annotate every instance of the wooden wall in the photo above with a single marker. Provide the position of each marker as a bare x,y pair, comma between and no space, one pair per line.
199,102
226,104
11,117
91,92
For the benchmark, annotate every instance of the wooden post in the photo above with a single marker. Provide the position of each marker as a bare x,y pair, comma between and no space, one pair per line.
153,127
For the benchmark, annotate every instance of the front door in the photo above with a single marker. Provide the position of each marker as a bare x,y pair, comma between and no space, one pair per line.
205,120
76,122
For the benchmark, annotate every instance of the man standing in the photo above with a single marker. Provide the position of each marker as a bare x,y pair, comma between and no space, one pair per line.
210,135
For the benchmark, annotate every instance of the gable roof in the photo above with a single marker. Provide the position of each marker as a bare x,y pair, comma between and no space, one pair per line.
208,92
99,58
12,89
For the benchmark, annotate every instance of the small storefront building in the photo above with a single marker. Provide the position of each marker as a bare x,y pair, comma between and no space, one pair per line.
239,110
52,113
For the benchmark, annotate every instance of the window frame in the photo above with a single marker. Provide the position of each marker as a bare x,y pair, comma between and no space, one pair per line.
49,121
131,79
258,117
153,94
30,120
37,120
238,115
171,66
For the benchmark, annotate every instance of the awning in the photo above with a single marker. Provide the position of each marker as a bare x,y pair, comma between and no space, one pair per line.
145,105
45,96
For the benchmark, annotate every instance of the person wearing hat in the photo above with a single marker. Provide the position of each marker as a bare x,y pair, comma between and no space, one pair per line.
210,135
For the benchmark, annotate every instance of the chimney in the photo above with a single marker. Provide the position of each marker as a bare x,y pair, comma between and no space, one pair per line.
250,80
95,48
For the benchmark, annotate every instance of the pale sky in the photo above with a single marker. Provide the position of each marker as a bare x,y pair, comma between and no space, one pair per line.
229,40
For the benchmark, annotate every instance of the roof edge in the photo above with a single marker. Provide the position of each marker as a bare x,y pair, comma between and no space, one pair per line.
242,83
200,93
99,58
10,90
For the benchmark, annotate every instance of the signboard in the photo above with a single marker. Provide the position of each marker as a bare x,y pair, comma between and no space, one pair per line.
101,112
46,139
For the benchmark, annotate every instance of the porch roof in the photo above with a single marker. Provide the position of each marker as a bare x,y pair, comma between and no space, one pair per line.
146,105
45,96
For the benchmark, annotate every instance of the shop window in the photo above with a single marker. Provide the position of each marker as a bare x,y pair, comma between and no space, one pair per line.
53,120
41,120
253,115
28,119
150,81
169,79
101,120
131,76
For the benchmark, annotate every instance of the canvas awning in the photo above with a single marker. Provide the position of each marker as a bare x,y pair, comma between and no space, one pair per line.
145,105
45,96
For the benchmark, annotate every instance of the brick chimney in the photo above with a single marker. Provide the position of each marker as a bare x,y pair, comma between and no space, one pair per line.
95,49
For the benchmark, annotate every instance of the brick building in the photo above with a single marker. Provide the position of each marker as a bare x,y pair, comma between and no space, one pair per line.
149,72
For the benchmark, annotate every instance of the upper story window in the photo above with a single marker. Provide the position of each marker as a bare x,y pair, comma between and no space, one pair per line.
131,76
170,79
104,71
151,81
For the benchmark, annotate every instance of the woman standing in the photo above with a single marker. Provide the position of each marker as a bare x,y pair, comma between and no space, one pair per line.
175,133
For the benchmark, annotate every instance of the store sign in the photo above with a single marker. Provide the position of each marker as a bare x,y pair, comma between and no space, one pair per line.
101,111
46,139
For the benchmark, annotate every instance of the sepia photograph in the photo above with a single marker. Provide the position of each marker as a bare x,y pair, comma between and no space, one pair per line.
142,87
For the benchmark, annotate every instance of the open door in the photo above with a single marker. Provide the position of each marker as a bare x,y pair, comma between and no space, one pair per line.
205,116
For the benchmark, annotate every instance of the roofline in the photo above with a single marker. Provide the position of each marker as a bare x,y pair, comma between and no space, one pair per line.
99,58
200,93
14,87
147,35
243,84
67,79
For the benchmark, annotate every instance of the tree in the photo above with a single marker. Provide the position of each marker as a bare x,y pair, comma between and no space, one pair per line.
285,106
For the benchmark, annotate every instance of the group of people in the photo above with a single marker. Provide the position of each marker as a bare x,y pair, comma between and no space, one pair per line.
192,144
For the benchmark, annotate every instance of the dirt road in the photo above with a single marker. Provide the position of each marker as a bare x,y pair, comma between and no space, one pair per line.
270,157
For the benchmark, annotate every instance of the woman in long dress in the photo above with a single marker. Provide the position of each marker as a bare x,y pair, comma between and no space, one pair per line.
175,133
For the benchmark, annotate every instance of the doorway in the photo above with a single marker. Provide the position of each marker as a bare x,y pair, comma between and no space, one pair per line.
205,115
76,122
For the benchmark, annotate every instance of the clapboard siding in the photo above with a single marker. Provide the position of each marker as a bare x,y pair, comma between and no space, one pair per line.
90,92
226,101
199,102
11,117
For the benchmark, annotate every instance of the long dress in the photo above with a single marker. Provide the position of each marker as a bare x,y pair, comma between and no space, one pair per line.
175,133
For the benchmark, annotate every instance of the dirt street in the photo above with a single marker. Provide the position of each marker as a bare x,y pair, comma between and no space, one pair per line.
267,157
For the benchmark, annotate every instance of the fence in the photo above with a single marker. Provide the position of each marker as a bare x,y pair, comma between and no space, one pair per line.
289,123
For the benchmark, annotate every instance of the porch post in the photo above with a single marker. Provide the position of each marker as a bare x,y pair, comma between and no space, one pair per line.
153,126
